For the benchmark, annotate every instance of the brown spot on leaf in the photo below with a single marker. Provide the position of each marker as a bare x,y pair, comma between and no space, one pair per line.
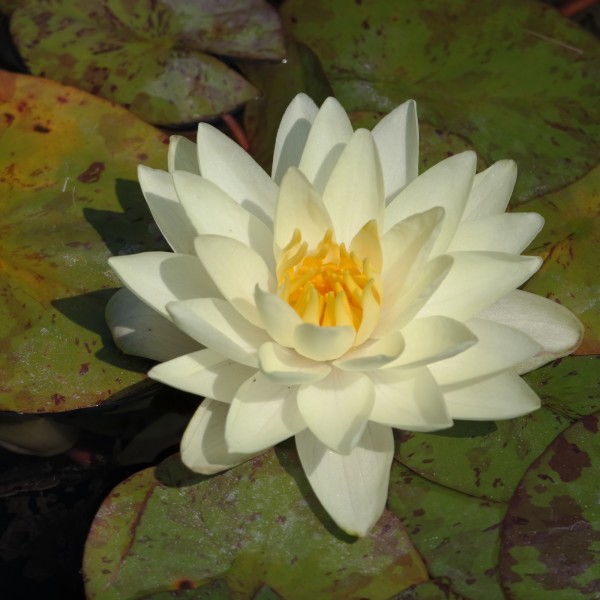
41,128
84,368
92,173
568,460
57,399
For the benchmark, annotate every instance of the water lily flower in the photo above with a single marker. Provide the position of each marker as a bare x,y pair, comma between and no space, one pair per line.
340,297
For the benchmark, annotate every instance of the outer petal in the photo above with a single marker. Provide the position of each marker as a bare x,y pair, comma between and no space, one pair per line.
183,155
217,325
227,165
397,140
279,318
372,354
263,413
286,367
236,270
170,217
478,279
158,278
504,396
323,343
336,408
352,488
203,447
506,232
408,400
292,134
354,193
555,328
139,330
498,348
205,373
328,136
212,211
446,184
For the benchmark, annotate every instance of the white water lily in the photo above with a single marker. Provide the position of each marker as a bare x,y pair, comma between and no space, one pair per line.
335,300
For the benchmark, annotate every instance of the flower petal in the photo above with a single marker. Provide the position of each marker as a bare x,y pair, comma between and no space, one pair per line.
262,414
169,215
158,278
203,447
446,184
183,155
498,348
336,408
236,270
372,354
408,399
205,373
226,164
323,343
491,191
352,488
279,318
506,232
139,330
397,140
476,280
292,135
286,367
504,396
554,327
211,211
328,135
354,193
218,326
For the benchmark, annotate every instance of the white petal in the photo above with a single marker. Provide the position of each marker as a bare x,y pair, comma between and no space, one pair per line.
158,278
354,193
205,373
292,135
211,211
352,488
431,339
286,367
478,279
446,184
299,207
504,396
328,135
203,447
554,327
397,140
262,414
323,343
139,330
498,348
236,270
218,326
169,215
506,232
226,164
408,399
372,354
279,318
183,155
491,190
336,408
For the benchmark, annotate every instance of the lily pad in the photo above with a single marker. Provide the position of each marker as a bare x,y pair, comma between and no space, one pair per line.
155,58
69,198
514,79
257,526
551,534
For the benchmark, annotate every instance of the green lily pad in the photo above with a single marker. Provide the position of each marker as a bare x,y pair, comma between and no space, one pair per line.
155,58
69,198
514,79
551,534
256,525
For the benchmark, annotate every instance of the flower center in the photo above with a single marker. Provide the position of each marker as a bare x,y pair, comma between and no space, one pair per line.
326,285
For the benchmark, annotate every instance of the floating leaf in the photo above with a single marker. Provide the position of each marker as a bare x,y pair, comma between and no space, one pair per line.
68,199
150,56
551,534
254,526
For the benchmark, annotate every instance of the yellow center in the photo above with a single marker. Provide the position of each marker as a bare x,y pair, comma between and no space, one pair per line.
327,285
